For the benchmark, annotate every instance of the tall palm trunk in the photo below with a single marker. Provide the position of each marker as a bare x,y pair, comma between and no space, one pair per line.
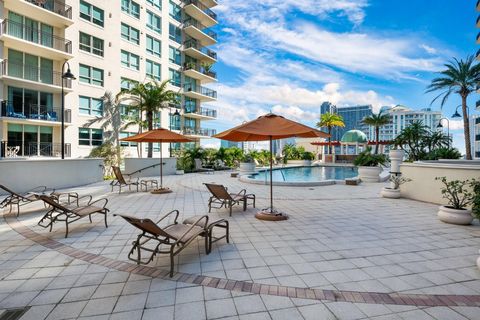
377,133
330,140
466,128
150,127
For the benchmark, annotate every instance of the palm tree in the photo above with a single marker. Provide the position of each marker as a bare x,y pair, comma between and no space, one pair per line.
411,140
459,77
330,120
150,98
377,121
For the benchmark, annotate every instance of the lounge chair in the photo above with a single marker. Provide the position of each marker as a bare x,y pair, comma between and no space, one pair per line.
122,182
21,199
175,237
69,214
209,226
222,198
200,168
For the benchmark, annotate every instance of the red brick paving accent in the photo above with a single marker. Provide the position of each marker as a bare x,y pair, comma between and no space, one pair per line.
245,286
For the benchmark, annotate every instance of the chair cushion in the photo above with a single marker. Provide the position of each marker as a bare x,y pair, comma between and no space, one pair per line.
176,231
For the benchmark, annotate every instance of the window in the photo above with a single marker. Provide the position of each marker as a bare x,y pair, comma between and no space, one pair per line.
91,106
154,22
90,137
175,77
153,46
128,111
91,44
155,3
91,13
175,33
91,75
174,55
130,33
175,11
131,7
175,122
130,60
126,83
126,143
153,70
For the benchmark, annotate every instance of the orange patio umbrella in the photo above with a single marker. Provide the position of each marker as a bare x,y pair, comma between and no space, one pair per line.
270,127
158,136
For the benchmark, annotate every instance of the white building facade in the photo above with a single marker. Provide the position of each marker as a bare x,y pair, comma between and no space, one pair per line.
105,44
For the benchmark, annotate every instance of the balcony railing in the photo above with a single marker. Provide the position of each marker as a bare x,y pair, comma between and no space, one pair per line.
477,120
54,6
47,149
194,23
26,72
192,43
34,111
200,68
201,90
199,131
202,7
202,111
21,31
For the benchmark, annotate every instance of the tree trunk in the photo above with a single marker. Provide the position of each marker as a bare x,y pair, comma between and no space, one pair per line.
330,140
150,127
377,133
466,128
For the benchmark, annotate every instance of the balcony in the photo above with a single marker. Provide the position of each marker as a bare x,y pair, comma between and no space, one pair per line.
198,132
478,22
193,49
478,38
200,12
200,72
200,32
35,78
209,3
34,149
52,12
477,120
477,104
199,92
478,5
21,37
34,112
200,113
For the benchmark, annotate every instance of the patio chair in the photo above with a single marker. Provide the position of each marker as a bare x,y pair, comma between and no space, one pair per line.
222,198
71,213
209,226
220,165
174,236
121,181
20,199
200,168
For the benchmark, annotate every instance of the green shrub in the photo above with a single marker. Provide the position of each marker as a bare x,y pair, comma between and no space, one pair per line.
458,193
108,152
367,159
307,155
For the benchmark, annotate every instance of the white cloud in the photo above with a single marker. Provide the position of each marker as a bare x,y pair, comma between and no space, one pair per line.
456,124
428,49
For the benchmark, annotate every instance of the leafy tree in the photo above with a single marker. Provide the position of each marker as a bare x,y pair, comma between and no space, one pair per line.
410,139
150,98
330,120
377,121
108,152
460,77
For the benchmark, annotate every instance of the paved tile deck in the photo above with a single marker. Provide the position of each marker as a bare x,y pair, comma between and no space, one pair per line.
344,253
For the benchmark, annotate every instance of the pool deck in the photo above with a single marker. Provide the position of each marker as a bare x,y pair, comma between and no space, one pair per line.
345,253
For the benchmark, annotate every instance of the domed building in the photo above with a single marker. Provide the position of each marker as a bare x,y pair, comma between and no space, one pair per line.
353,138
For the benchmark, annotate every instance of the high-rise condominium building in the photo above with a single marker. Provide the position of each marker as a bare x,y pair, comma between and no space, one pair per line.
352,117
105,43
475,135
401,117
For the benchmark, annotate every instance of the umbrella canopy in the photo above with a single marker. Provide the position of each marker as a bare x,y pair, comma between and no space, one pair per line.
270,127
158,135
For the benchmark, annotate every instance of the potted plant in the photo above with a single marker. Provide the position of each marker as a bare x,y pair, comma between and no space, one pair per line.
459,195
369,165
393,192
307,158
207,69
181,164
247,164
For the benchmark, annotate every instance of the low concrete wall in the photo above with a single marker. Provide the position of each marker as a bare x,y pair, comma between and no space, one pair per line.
134,164
424,187
24,175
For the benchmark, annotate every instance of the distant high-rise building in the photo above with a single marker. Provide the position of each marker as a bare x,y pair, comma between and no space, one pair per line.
328,107
229,144
475,135
352,117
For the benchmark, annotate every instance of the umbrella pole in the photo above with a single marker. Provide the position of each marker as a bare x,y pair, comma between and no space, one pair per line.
271,178
161,166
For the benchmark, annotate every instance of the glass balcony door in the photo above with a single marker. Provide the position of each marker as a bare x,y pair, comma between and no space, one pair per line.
31,140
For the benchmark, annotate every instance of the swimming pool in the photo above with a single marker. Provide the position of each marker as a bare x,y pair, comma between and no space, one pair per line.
316,175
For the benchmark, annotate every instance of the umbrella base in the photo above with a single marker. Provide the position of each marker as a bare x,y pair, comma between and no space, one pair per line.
270,215
161,190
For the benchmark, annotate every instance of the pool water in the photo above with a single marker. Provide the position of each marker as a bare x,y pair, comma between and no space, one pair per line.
306,174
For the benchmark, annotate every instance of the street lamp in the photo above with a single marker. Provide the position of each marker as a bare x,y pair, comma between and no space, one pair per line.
175,114
66,75
448,128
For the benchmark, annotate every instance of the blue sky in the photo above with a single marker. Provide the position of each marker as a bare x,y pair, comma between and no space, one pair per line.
289,56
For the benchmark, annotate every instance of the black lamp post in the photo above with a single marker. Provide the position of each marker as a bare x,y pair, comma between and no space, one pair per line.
448,128
66,75
175,114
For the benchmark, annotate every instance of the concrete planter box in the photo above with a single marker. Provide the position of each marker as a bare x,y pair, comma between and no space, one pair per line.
390,193
179,172
369,174
305,163
455,216
247,167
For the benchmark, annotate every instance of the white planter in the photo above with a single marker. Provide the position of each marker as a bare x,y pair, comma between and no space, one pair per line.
455,216
390,193
369,174
306,163
247,167
396,154
180,172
